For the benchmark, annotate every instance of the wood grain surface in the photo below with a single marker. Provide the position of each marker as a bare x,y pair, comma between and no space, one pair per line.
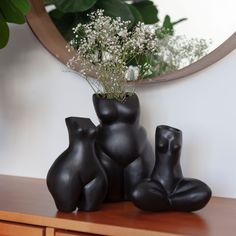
67,233
27,200
8,229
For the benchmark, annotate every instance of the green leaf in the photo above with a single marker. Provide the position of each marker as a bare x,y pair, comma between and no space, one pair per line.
137,16
74,5
116,8
11,13
64,22
167,25
4,32
22,5
178,21
148,11
48,2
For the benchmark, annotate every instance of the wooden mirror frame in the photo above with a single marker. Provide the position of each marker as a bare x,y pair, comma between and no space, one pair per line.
47,33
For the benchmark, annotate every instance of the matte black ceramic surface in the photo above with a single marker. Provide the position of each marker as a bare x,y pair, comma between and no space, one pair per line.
122,145
76,178
167,189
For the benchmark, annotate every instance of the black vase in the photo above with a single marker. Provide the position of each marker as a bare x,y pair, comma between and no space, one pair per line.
167,189
122,145
76,178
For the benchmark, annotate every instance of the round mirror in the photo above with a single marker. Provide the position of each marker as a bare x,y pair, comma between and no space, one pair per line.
206,19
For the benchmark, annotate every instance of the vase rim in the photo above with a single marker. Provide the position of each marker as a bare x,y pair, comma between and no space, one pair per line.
76,118
169,128
79,121
101,96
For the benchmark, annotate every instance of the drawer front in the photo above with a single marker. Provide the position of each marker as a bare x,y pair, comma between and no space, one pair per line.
10,229
69,233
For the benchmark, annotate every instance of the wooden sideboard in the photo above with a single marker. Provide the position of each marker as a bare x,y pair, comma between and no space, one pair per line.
27,209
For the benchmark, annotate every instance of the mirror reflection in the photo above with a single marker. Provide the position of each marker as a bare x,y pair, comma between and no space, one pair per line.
190,28
207,19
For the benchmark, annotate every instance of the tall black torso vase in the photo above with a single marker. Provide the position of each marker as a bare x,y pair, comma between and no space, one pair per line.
167,189
122,145
76,178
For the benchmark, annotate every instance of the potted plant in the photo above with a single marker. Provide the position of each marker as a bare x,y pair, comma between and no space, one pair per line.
11,11
107,46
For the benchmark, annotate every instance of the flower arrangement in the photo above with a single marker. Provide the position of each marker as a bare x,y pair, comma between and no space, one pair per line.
117,52
107,46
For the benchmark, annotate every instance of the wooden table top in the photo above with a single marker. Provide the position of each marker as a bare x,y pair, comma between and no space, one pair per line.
27,200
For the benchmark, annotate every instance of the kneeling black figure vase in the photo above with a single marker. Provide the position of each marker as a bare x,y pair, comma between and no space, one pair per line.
76,178
122,145
167,189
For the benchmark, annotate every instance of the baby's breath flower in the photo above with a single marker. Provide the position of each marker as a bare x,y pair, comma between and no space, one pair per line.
108,47
132,73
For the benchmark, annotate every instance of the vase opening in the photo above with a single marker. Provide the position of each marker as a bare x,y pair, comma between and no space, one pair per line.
169,128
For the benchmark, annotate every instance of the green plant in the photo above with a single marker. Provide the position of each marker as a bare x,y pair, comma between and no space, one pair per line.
11,11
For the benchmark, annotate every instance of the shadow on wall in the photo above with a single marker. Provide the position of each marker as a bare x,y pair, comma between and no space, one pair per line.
19,46
12,85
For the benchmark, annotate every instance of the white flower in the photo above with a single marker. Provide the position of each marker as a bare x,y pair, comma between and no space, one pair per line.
106,56
123,33
107,46
132,73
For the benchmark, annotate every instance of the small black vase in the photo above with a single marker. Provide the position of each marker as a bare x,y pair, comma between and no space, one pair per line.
76,178
167,189
122,145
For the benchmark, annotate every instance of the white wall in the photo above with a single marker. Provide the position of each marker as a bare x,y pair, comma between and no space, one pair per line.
36,95
216,24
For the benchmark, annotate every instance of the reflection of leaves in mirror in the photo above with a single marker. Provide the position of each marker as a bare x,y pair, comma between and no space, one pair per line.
168,25
147,10
74,5
11,11
68,20
69,13
116,8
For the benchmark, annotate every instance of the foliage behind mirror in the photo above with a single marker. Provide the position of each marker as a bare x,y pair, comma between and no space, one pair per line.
11,11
